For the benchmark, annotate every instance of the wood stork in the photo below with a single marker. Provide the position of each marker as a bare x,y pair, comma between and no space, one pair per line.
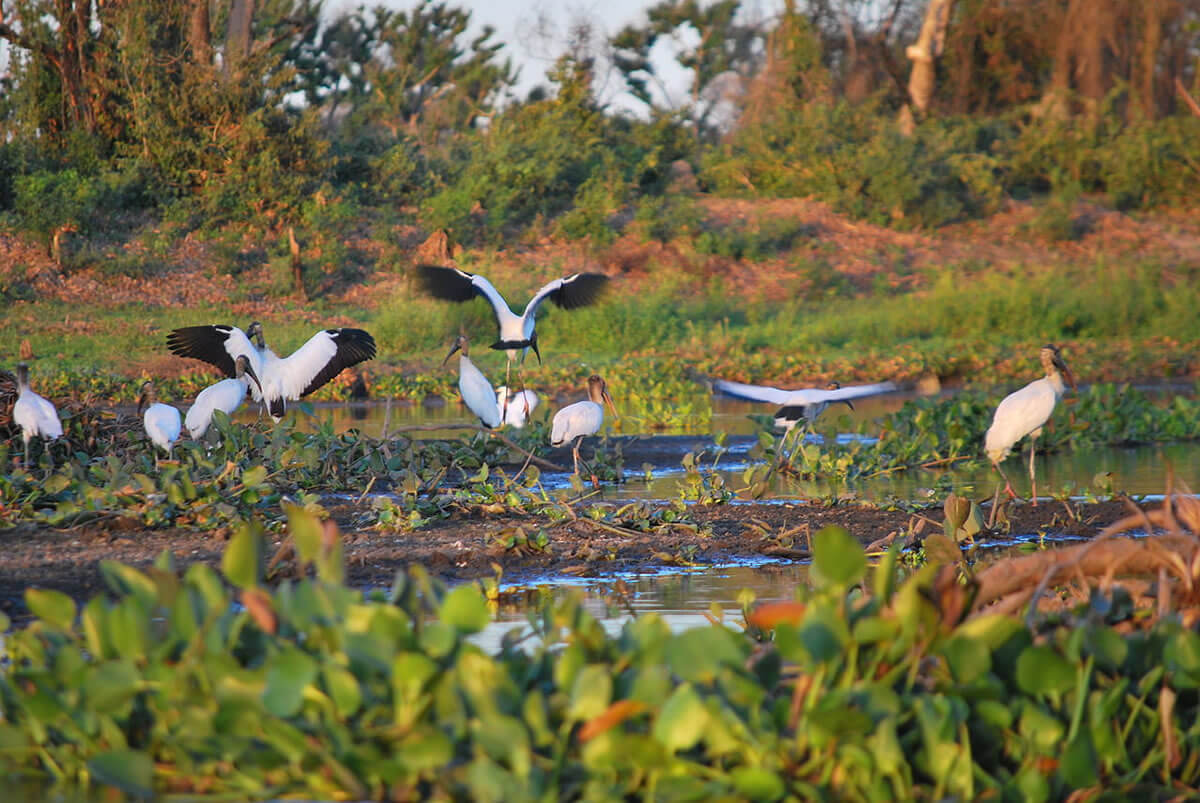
517,406
161,421
35,415
476,390
1025,412
801,405
226,396
280,380
577,421
517,333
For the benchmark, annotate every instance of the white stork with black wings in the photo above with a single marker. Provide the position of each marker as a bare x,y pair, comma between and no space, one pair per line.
517,333
805,404
284,379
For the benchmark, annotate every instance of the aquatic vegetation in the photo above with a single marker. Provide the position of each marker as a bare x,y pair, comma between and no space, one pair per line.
873,683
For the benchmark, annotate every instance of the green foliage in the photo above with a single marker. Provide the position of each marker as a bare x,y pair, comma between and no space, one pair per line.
310,689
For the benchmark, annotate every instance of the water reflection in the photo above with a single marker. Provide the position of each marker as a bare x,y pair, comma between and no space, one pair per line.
681,599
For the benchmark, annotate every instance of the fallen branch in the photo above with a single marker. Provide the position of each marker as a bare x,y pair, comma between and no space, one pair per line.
1098,558
546,464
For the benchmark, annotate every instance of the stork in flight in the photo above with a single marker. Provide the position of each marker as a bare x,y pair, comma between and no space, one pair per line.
1024,412
280,380
801,405
517,333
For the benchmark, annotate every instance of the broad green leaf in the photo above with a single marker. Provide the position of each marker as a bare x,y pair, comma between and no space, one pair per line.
941,549
54,608
289,673
465,609
111,684
838,559
306,530
757,783
243,560
131,771
591,693
969,658
682,720
343,689
1078,765
699,653
1041,670
1182,659
122,579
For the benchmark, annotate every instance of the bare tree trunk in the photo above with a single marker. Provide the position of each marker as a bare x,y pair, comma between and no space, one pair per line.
238,37
297,266
1151,41
923,54
199,36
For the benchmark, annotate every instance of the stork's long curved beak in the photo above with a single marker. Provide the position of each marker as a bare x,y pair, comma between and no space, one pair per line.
248,371
1066,372
533,345
453,349
141,404
611,406
847,402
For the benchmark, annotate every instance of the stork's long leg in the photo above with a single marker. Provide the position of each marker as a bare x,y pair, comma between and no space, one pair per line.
26,465
507,391
1032,469
1007,484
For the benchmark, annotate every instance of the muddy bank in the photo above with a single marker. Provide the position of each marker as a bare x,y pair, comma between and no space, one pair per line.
467,545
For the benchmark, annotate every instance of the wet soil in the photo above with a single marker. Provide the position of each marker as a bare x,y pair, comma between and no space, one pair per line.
469,544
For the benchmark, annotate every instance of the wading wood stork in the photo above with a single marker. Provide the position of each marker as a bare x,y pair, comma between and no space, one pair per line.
33,414
280,380
517,406
576,421
1025,412
797,405
162,421
226,396
516,332
476,390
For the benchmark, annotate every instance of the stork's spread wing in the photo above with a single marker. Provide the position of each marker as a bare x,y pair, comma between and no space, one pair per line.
855,391
570,292
322,358
216,344
759,393
452,284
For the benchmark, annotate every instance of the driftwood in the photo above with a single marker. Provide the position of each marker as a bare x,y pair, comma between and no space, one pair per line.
1007,585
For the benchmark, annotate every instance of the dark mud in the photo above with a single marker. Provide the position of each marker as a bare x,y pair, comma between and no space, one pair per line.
470,544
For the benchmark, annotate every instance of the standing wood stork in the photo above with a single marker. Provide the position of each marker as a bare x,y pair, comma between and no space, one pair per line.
161,421
476,390
226,396
801,405
577,421
517,406
516,332
280,380
1025,412
35,415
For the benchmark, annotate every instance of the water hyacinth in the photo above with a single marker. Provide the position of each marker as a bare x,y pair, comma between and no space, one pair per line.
869,685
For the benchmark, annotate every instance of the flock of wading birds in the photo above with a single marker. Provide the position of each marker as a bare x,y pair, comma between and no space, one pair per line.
252,367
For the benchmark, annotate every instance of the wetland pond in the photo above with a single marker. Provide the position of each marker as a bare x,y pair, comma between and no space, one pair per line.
688,596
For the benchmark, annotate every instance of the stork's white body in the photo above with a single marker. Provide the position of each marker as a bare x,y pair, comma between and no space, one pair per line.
1023,412
520,405
226,396
808,403
36,416
163,425
477,393
576,420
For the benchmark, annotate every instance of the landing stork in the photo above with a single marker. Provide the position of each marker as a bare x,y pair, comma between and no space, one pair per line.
517,333
281,380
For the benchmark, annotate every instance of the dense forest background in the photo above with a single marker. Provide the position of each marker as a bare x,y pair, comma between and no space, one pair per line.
279,121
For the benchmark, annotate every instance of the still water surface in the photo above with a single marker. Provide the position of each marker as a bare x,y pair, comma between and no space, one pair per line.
687,598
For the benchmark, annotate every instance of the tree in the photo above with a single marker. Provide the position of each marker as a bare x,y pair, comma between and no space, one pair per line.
397,69
726,47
